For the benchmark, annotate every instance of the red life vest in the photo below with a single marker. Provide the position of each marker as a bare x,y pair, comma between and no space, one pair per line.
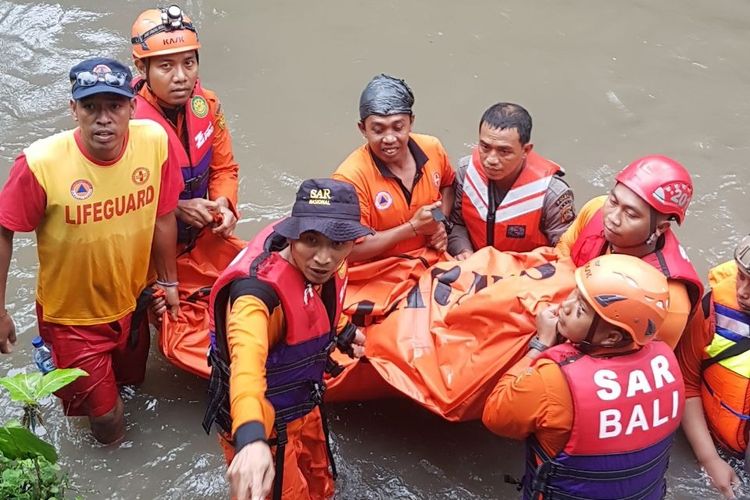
626,410
726,373
671,259
297,362
196,162
514,224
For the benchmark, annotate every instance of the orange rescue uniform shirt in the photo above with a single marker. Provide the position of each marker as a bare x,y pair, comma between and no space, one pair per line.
224,170
532,400
252,330
679,300
383,201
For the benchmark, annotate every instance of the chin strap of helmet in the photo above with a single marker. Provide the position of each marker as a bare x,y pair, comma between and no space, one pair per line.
585,345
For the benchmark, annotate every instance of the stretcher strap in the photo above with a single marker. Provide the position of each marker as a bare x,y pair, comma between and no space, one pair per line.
329,450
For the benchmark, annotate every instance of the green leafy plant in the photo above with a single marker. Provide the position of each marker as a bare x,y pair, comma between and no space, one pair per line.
28,464
29,388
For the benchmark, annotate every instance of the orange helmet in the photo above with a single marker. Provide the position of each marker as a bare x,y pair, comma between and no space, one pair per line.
163,31
627,292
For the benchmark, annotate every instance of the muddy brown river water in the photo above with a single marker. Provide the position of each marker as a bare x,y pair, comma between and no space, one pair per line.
605,82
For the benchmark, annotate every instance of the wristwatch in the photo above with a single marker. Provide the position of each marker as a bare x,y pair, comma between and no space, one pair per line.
537,344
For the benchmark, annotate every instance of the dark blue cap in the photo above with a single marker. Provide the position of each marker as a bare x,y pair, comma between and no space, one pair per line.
327,206
37,341
101,75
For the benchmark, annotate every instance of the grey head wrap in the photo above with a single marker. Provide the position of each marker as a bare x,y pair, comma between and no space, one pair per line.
385,95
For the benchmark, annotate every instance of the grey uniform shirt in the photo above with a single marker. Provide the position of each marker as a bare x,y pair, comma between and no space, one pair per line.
558,211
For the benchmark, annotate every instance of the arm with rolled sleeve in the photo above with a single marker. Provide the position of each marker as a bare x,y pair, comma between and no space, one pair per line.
690,350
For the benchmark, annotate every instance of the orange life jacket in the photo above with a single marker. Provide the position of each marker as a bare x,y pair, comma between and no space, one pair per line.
726,373
195,162
511,224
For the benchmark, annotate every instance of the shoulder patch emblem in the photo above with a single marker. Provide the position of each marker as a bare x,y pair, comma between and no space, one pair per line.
383,200
199,106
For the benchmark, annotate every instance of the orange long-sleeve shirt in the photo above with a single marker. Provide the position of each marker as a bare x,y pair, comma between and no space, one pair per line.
679,300
252,330
532,400
223,170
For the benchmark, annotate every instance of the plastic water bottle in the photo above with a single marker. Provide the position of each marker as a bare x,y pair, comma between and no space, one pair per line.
43,356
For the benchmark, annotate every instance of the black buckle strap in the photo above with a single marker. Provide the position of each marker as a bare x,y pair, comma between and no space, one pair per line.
194,182
327,434
278,480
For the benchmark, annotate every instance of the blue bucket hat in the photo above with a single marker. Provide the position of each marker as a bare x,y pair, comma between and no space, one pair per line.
327,206
100,75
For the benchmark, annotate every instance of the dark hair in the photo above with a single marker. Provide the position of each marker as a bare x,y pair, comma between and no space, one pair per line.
505,115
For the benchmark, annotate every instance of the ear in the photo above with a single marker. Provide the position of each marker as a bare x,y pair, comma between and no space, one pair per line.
411,119
662,227
527,148
361,126
132,108
613,336
73,111
141,67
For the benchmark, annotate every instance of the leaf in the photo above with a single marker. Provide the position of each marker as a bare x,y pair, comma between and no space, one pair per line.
22,387
20,443
57,379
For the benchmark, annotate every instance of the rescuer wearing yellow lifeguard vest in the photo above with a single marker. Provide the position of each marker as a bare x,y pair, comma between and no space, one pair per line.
101,199
508,196
714,356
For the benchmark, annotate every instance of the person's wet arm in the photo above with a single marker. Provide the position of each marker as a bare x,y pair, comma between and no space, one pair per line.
23,203
7,327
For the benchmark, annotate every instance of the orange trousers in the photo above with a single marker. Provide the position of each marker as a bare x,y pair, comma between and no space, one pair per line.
307,475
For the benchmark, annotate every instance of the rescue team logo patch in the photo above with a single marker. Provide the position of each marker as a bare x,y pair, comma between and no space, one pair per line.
101,69
383,200
436,178
514,231
140,175
320,197
81,189
199,106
